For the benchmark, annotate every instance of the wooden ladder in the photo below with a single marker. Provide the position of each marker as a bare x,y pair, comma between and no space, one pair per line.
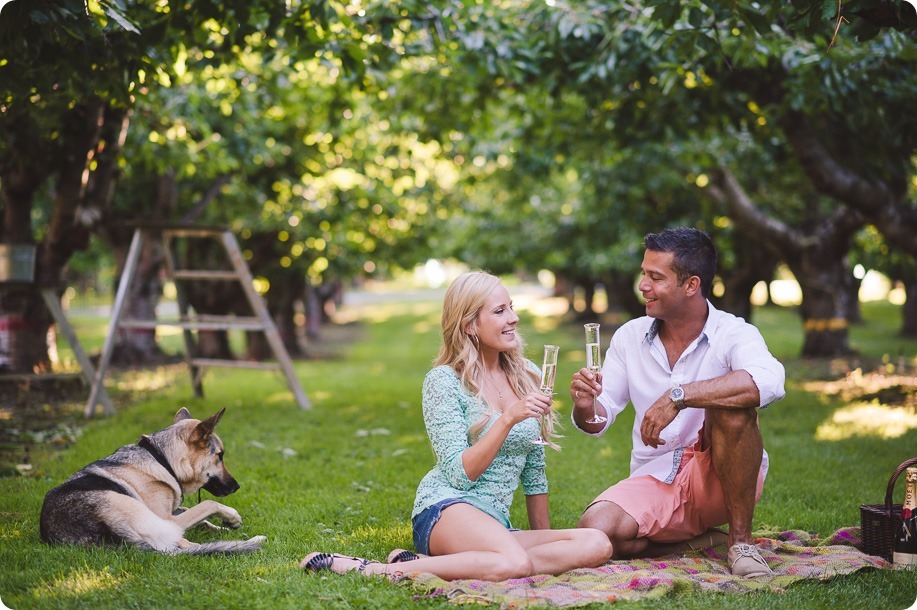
189,323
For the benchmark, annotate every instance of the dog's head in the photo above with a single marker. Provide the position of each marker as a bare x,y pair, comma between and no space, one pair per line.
197,455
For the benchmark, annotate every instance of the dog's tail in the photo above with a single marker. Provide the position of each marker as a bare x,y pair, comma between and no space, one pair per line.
225,547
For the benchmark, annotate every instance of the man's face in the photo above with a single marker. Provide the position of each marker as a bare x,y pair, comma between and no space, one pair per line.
659,285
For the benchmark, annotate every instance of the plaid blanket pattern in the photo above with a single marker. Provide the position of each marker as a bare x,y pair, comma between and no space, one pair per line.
793,555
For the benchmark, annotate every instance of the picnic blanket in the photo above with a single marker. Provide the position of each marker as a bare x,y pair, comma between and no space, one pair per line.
793,555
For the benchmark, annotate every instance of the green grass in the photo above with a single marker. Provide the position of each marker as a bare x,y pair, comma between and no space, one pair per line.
341,477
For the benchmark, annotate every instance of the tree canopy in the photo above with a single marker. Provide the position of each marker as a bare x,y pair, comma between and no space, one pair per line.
513,135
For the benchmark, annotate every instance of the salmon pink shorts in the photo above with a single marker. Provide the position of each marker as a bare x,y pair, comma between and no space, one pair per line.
690,505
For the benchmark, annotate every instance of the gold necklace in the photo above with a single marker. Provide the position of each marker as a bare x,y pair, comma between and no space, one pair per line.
499,393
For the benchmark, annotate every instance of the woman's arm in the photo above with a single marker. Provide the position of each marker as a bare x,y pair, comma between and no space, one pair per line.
537,508
479,456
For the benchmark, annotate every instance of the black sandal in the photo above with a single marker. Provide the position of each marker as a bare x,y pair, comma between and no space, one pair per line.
317,562
401,555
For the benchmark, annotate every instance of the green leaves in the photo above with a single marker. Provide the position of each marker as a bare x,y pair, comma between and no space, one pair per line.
116,11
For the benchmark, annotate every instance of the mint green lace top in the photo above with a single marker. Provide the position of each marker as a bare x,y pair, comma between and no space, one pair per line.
449,410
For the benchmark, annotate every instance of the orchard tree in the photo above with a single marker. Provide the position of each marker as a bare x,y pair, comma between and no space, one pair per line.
692,74
73,73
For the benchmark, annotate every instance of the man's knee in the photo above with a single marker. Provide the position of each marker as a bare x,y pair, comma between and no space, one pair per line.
611,519
592,517
732,423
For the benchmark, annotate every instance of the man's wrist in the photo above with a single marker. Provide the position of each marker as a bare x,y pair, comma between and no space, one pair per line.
677,396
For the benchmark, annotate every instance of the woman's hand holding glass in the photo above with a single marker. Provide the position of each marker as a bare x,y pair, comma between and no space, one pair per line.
535,404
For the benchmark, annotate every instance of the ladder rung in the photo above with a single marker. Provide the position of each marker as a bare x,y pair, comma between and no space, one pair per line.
201,323
238,364
204,275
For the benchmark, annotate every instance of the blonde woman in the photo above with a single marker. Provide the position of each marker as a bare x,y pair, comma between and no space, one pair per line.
481,407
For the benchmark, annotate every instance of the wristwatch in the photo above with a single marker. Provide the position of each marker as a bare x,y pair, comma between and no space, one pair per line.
677,394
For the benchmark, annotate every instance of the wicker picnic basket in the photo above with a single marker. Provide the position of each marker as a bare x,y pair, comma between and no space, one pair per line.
879,522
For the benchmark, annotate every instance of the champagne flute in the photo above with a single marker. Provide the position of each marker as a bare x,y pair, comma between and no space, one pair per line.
593,363
548,372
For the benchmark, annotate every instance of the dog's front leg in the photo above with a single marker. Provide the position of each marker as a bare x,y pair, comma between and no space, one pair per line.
208,508
203,524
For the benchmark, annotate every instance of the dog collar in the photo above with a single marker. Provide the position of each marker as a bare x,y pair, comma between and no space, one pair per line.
158,456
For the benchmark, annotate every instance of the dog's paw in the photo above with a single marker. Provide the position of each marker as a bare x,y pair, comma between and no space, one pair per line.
231,518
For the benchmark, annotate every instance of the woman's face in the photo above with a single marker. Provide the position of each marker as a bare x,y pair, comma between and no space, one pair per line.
497,322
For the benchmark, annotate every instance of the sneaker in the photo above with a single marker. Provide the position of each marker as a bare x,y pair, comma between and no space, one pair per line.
745,560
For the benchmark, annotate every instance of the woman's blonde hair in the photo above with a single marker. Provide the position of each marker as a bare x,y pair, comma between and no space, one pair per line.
462,303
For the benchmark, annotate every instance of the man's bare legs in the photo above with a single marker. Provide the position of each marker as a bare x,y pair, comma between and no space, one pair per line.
736,452
622,529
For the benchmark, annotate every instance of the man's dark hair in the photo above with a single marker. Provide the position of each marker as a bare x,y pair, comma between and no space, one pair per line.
694,253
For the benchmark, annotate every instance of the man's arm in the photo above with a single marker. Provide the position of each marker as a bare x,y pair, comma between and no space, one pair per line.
734,390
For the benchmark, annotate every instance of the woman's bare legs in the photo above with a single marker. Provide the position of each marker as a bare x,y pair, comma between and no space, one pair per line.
468,543
558,551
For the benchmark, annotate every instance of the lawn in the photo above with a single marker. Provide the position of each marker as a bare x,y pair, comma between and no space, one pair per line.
341,476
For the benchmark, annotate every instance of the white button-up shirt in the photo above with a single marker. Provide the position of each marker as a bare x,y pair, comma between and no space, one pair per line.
636,370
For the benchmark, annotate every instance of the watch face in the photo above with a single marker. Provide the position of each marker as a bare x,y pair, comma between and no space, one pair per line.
677,394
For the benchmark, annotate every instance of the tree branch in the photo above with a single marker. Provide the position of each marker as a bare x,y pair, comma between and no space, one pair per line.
198,208
875,200
725,189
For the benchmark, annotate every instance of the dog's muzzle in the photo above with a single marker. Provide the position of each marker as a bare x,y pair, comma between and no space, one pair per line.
220,487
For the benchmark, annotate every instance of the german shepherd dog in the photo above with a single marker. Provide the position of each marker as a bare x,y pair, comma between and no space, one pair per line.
133,496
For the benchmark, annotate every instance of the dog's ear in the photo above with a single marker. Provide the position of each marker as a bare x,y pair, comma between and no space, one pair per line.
204,429
182,414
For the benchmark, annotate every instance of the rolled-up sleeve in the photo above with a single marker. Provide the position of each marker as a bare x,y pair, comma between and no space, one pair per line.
749,353
444,418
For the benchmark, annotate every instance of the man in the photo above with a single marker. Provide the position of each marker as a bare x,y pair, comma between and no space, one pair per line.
696,377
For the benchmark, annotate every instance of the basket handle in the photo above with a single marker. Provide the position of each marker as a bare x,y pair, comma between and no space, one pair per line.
891,482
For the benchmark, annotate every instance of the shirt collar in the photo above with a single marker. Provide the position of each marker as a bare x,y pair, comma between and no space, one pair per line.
708,330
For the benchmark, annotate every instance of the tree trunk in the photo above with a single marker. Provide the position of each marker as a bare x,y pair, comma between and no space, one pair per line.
754,264
588,314
824,277
89,129
136,346
909,311
282,305
218,298
25,324
280,301
314,312
22,325
817,259
564,287
619,287
824,325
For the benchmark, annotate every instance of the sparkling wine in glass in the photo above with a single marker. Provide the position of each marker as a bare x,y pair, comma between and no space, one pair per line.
548,373
593,362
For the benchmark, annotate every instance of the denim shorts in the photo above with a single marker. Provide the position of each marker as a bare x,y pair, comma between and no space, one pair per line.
423,522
